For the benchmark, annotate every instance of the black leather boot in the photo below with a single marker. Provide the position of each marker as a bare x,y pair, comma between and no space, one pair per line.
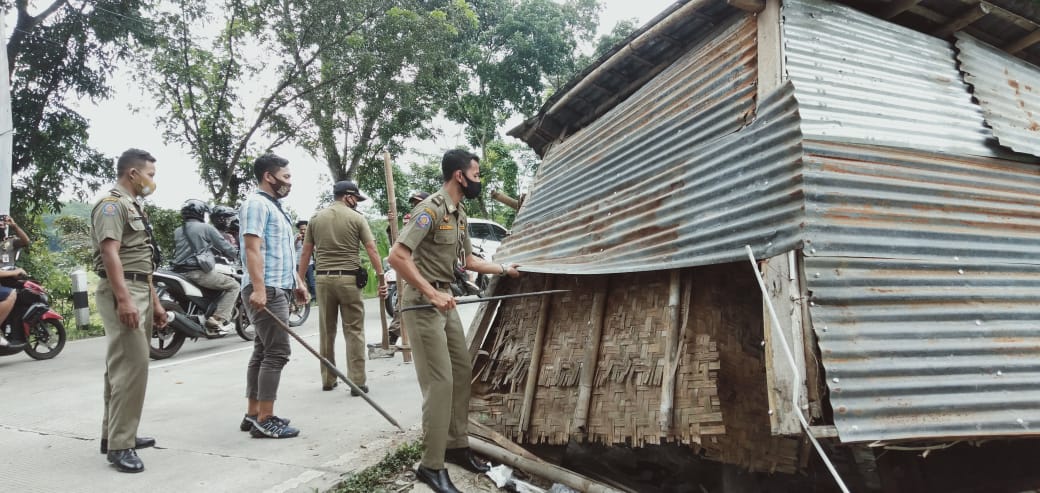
139,442
436,479
126,460
465,458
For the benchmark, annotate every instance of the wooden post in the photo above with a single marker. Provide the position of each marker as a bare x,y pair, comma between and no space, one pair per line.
671,354
597,316
406,350
485,314
781,277
536,358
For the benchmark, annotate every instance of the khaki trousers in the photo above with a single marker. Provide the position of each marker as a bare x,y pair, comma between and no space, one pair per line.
340,296
126,363
444,370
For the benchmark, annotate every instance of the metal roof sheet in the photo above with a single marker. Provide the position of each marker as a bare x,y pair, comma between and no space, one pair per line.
1007,89
862,80
674,176
924,271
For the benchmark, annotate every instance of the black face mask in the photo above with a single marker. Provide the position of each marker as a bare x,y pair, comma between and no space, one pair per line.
472,189
280,188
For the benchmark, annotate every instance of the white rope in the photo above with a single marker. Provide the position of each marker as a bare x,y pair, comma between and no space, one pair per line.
794,368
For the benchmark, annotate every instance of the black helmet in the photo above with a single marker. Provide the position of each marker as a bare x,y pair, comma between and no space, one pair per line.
417,197
194,209
221,217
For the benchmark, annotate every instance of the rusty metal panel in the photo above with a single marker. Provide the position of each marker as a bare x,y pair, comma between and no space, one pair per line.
935,349
924,271
860,79
876,202
672,177
1007,89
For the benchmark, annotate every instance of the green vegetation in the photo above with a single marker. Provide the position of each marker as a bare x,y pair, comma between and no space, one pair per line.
375,478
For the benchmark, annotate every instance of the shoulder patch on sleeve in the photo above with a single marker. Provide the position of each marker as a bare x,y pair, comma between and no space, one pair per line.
423,220
109,208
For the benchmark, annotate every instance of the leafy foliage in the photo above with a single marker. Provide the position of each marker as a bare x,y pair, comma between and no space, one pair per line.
66,51
394,72
164,221
374,478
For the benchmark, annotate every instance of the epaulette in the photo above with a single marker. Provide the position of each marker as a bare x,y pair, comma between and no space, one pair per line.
437,199
115,193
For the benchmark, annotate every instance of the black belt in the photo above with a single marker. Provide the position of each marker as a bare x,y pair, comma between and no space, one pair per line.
129,276
336,272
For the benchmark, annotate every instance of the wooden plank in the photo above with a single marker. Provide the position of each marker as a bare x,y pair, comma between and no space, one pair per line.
781,281
535,365
964,20
770,49
824,431
813,369
671,355
753,6
1023,42
591,359
484,316
898,7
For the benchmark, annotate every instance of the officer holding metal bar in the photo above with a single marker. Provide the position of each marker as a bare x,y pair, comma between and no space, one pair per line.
424,256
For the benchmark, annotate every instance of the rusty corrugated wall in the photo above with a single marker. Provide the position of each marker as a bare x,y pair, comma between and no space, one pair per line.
675,176
1007,89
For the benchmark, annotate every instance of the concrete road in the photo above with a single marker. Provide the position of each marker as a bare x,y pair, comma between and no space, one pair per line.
50,420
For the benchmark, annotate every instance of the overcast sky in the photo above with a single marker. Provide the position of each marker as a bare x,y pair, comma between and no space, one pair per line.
114,127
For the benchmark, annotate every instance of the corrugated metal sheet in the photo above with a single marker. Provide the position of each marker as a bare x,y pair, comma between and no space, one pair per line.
863,80
670,178
1008,89
925,279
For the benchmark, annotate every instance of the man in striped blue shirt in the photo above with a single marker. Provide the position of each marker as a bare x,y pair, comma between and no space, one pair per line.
266,236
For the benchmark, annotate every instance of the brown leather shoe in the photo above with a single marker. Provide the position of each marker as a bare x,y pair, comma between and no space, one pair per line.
465,458
436,479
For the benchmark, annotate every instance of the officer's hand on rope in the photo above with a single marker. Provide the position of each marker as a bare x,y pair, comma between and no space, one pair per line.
443,301
258,299
128,314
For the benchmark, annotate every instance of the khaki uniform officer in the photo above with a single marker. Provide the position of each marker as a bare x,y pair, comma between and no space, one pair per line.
124,258
424,256
334,236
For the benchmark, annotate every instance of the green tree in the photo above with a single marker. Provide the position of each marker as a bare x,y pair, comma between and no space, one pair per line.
63,52
203,85
164,221
522,48
74,240
382,85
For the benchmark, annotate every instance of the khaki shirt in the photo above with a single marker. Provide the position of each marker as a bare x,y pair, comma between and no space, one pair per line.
437,237
337,233
119,216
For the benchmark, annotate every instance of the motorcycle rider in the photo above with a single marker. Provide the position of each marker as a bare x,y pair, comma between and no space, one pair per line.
8,253
225,219
195,241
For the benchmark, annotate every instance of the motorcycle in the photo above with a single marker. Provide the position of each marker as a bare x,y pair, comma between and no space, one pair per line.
32,326
466,283
190,305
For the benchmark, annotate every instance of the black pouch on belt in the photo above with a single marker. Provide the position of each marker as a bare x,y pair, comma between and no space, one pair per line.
361,277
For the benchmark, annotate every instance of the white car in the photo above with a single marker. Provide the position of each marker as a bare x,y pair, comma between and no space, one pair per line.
485,236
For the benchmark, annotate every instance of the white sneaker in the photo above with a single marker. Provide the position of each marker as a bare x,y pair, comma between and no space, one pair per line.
219,327
3,341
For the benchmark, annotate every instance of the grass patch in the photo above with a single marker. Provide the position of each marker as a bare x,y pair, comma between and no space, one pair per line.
373,479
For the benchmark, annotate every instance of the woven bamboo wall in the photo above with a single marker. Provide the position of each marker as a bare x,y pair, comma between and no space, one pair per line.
720,399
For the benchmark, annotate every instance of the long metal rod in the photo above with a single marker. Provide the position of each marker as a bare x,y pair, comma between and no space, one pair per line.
489,298
328,364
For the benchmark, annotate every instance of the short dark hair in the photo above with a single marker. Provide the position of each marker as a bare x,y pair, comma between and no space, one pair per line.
132,158
455,160
268,163
301,222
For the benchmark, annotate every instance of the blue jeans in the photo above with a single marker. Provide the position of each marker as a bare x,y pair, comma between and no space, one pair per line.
311,284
